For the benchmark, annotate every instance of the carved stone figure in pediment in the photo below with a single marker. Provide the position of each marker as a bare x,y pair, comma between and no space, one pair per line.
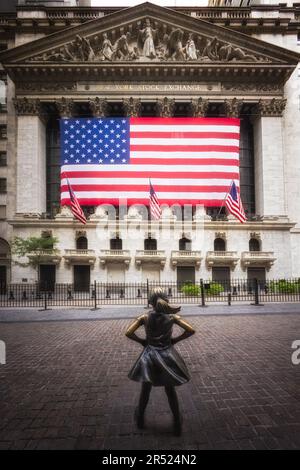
146,39
209,50
107,48
228,52
121,48
190,48
175,47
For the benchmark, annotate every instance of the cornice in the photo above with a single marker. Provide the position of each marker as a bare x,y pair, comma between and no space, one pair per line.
144,225
245,73
281,19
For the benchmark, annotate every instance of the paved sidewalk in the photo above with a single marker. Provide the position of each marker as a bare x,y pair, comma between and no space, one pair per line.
65,386
123,311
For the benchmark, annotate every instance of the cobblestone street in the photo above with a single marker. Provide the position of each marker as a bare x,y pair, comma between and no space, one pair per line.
65,386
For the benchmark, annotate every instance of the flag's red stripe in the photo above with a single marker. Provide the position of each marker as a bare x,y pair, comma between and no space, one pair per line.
185,121
152,174
184,135
137,187
145,201
185,161
183,148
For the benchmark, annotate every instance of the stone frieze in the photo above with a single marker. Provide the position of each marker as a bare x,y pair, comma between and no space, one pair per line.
149,42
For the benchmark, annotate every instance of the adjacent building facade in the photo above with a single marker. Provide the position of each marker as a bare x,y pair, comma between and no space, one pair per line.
64,61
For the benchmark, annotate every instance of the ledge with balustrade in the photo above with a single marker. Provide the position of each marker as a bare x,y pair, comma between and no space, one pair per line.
257,258
185,257
150,256
114,256
80,256
222,258
51,256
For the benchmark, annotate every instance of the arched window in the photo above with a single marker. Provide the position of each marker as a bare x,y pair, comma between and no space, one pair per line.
150,244
4,249
81,243
254,244
185,244
116,243
219,244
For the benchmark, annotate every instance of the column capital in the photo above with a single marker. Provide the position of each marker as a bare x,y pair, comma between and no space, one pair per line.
65,107
165,107
199,107
233,107
273,107
98,106
132,107
27,106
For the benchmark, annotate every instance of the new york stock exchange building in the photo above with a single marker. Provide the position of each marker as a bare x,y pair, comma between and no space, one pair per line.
62,61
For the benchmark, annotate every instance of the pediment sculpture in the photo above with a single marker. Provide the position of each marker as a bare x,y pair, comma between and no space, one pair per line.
149,42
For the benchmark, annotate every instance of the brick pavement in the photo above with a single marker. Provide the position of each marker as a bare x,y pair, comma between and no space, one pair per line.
65,386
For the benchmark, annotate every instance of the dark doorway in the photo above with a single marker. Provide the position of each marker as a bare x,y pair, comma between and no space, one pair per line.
221,275
3,275
185,274
47,277
219,244
81,243
185,244
254,244
150,244
259,274
82,278
116,243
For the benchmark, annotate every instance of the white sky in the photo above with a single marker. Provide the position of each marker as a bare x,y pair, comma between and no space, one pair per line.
163,3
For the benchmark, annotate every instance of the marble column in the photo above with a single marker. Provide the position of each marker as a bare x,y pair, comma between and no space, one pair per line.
269,159
31,157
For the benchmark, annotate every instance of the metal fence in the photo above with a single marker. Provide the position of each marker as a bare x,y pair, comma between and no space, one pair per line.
203,293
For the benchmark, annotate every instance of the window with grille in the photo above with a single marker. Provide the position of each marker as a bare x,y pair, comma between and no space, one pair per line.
3,160
3,185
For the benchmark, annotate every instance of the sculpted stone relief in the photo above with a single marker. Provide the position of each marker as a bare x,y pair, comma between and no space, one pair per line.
148,43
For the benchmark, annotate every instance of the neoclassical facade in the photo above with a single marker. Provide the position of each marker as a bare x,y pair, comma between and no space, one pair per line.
152,61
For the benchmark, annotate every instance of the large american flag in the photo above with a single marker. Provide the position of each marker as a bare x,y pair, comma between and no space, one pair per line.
189,160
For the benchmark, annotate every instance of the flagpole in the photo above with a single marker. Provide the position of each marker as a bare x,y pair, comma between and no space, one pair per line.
224,199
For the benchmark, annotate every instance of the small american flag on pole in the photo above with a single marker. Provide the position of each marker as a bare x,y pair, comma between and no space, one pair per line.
234,204
75,206
155,209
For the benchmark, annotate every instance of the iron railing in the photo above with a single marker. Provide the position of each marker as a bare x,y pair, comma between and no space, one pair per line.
203,293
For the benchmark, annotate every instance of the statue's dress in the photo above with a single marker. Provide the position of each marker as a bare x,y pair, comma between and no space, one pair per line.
159,364
148,49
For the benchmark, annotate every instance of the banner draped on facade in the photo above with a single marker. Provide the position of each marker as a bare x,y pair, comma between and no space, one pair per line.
189,160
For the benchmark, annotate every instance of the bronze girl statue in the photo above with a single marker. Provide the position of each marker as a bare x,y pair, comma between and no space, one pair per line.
159,364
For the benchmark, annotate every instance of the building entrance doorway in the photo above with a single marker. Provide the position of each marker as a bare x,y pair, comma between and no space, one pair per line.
221,274
3,274
185,274
82,274
259,274
47,277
